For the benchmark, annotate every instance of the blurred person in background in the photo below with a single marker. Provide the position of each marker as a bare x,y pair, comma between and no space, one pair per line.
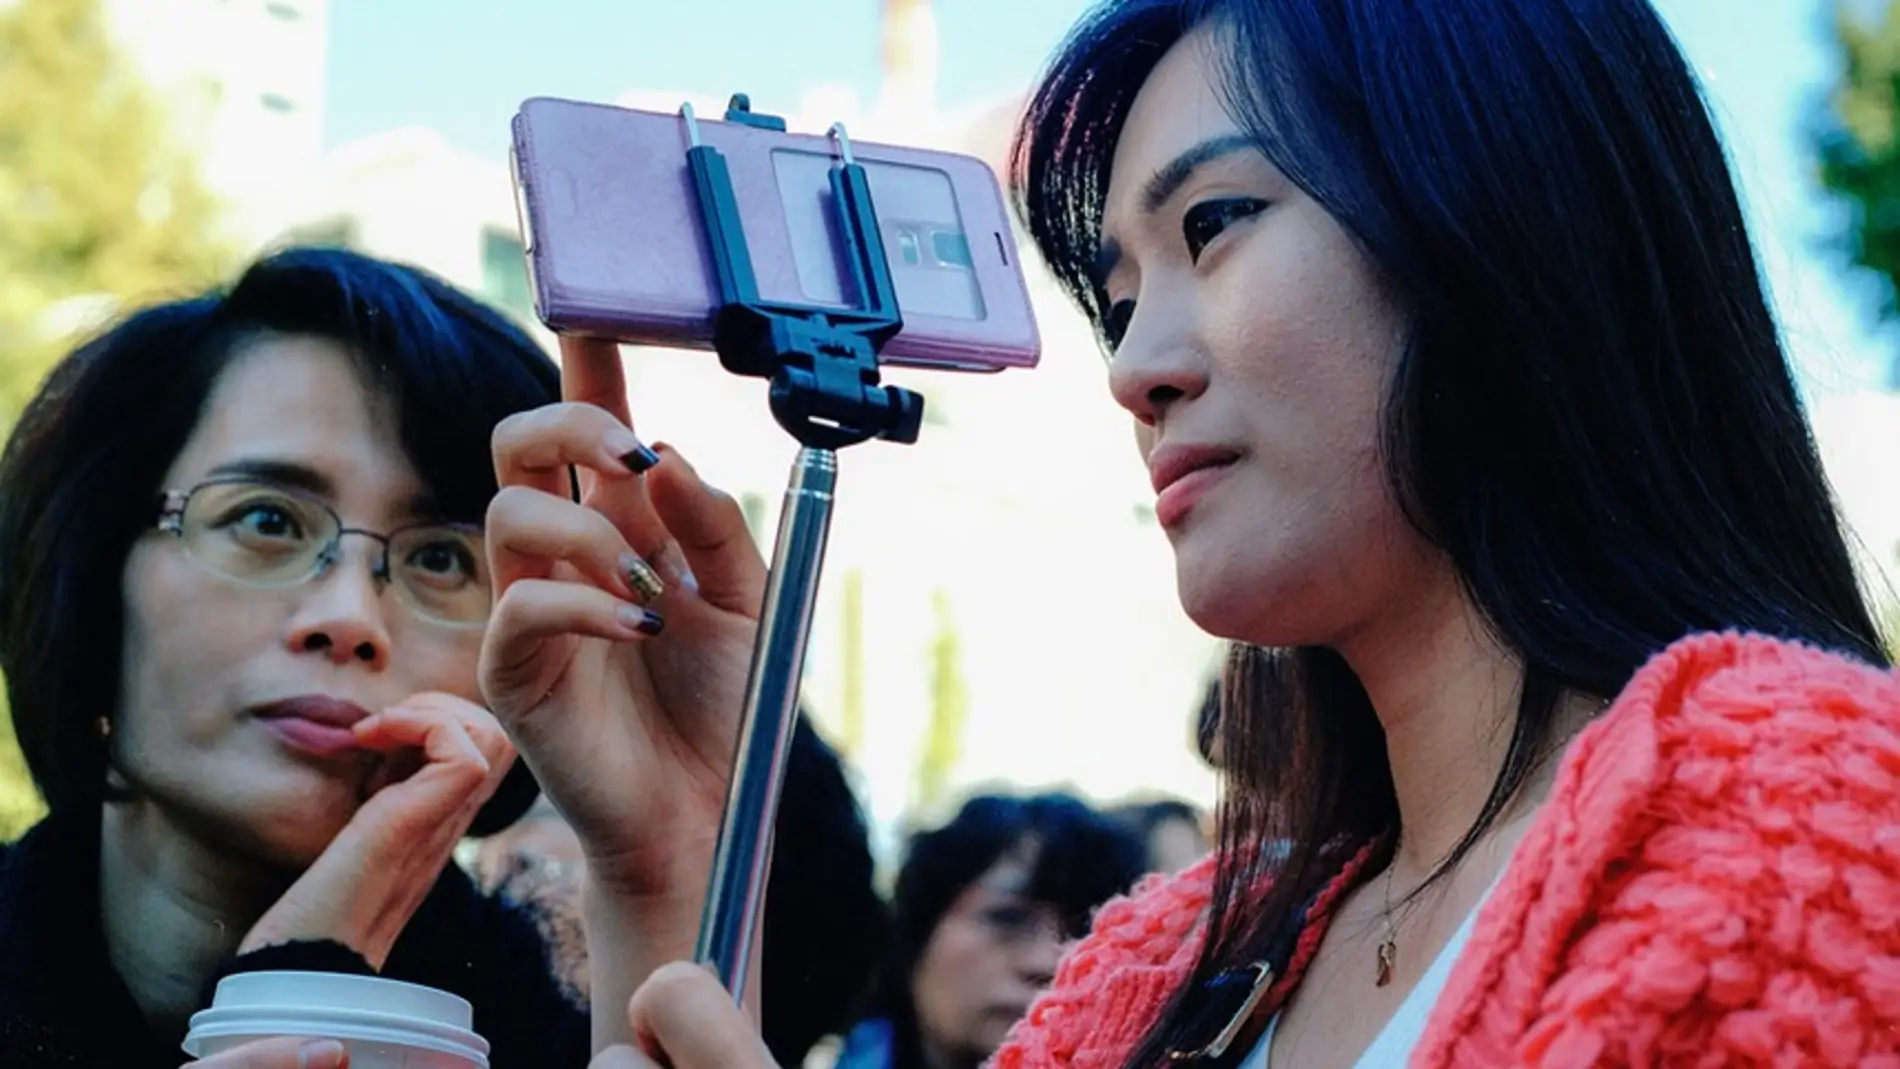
826,928
981,912
1172,831
1560,732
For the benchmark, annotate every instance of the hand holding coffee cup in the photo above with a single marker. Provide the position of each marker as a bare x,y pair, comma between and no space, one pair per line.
308,1020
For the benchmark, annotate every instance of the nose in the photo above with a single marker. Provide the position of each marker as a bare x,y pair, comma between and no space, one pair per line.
1037,961
341,615
1155,368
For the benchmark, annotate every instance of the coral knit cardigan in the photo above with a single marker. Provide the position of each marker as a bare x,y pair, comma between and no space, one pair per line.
1713,881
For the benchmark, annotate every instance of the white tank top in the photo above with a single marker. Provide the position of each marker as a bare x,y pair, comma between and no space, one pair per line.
1392,1047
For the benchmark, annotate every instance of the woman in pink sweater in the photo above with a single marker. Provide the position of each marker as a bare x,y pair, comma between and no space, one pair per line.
1448,353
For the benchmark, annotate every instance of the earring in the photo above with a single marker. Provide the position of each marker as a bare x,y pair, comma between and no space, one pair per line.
104,727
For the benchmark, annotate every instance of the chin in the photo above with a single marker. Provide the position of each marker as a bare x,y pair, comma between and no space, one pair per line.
293,825
997,1033
295,845
1213,595
1259,607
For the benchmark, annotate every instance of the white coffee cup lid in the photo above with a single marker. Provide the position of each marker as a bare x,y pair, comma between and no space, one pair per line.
338,1006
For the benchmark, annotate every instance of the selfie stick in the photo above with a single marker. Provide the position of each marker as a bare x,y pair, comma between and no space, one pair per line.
822,366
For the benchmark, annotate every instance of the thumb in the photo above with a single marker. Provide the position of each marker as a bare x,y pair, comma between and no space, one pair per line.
284,1053
620,1056
681,1013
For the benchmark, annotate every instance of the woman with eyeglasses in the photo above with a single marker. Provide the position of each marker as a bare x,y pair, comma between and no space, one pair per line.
243,586
1561,734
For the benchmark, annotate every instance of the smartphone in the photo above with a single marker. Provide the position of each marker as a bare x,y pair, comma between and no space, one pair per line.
615,246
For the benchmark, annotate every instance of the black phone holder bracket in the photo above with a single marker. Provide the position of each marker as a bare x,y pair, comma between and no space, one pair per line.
822,366
821,362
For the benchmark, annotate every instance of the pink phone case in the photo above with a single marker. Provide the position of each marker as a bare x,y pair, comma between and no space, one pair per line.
615,246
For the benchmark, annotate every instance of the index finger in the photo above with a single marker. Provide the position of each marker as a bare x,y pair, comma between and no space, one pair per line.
591,373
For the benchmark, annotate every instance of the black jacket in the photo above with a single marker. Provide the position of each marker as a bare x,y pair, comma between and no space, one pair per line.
63,1005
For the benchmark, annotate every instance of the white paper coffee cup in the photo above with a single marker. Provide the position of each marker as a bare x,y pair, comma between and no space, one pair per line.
384,1024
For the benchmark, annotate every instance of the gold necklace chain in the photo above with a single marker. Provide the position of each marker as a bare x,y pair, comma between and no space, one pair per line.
1389,943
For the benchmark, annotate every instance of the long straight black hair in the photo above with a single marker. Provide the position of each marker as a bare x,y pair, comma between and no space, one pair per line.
1594,417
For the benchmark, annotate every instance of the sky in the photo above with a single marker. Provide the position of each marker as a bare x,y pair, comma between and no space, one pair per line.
462,67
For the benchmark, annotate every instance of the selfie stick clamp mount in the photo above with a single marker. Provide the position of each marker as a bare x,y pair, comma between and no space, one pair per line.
821,363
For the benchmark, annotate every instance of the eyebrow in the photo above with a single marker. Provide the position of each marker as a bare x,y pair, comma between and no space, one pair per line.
282,472
303,477
1164,184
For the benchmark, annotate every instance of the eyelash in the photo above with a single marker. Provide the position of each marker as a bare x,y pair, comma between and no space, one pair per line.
1200,225
1115,322
1215,213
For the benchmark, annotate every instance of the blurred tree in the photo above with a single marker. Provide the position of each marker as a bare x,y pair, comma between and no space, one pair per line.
99,202
1858,140
20,804
99,205
851,709
949,708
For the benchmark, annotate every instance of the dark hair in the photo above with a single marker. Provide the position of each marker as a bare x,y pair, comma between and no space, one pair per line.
80,476
825,925
1207,724
1593,416
1083,858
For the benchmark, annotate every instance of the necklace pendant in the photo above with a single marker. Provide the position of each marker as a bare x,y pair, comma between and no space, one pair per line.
1388,957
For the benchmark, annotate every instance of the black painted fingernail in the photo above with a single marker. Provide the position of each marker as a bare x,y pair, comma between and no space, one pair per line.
640,459
645,621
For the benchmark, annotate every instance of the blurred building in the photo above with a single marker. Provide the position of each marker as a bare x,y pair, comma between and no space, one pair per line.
244,84
408,195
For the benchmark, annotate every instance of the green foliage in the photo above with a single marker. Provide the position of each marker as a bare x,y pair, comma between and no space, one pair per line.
949,710
20,804
1858,139
99,203
99,206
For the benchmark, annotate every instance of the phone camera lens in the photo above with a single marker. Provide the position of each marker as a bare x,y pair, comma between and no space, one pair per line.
951,248
909,248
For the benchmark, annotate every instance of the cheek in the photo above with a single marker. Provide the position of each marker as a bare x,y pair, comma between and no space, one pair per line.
180,638
1305,337
1303,344
434,659
953,965
1311,342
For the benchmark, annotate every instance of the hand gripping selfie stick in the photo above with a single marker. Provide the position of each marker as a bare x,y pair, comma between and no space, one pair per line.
822,366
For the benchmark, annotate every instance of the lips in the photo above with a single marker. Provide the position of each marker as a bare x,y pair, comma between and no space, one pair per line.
1172,463
1181,475
313,723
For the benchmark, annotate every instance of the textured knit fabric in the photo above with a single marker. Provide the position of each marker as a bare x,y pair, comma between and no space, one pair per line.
1714,880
